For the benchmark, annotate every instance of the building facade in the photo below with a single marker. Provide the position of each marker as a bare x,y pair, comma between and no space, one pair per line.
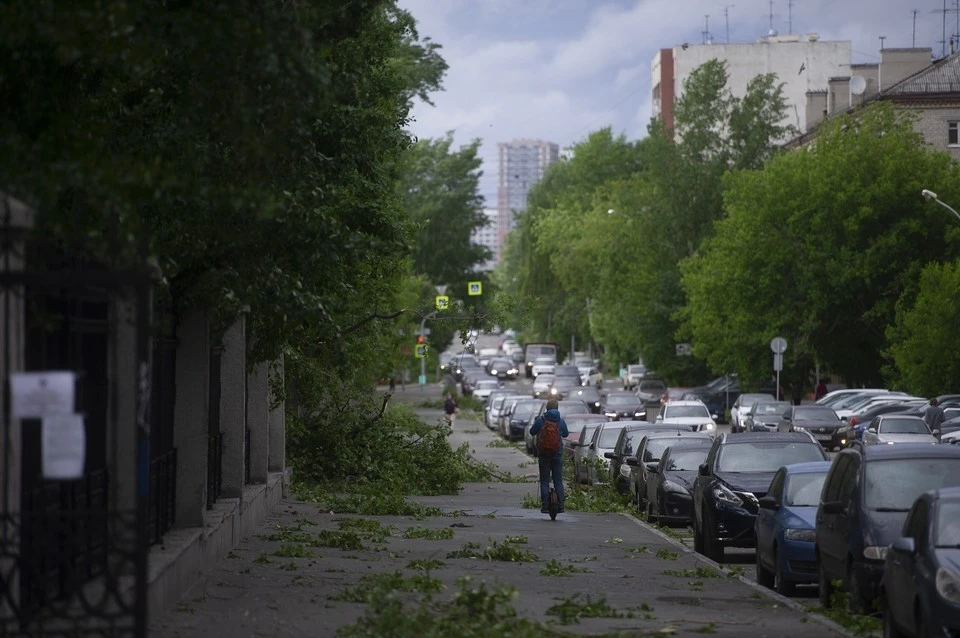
801,63
906,78
522,164
488,236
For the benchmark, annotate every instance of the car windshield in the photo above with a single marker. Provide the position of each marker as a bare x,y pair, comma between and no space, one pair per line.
803,490
652,386
686,459
622,399
900,425
588,432
543,381
482,385
535,351
609,436
546,360
814,413
766,456
767,409
851,400
526,410
588,394
566,382
894,484
948,524
636,369
573,407
686,411
655,448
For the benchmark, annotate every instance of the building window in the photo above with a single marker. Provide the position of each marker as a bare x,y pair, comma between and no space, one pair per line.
953,133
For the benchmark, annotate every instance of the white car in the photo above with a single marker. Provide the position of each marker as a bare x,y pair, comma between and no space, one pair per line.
688,415
740,409
898,428
589,375
543,365
604,440
483,388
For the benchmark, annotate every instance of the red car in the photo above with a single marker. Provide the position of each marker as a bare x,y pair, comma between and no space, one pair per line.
575,424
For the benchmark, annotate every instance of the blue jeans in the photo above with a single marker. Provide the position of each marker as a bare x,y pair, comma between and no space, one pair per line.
547,465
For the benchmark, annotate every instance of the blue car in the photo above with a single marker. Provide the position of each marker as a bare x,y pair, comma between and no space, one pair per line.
785,527
921,580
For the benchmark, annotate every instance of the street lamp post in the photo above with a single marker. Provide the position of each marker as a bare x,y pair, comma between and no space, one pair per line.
929,194
423,360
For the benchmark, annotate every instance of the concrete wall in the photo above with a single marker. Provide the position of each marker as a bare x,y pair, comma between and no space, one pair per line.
819,61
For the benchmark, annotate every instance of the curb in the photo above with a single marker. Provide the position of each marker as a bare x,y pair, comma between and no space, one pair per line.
769,593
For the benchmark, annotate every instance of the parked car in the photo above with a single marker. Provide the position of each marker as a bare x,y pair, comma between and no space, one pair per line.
765,416
689,415
786,527
858,423
623,451
889,429
567,408
740,409
819,421
647,459
736,474
575,425
484,387
622,405
580,450
841,398
672,394
920,589
521,417
670,488
495,405
716,395
864,502
604,439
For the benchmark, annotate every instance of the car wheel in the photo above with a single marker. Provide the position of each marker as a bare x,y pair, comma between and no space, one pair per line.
825,587
857,600
780,584
890,629
764,576
712,547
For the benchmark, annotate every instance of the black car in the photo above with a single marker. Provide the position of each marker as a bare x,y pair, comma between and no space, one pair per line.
590,395
523,414
623,406
563,387
669,487
648,455
464,366
717,395
650,389
765,416
623,451
865,500
734,477
503,369
819,421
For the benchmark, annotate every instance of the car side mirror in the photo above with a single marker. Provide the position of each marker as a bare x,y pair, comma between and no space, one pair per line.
715,417
610,455
652,466
935,433
704,469
833,507
872,430
768,503
632,461
904,545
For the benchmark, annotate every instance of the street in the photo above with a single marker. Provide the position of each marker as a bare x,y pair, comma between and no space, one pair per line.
598,573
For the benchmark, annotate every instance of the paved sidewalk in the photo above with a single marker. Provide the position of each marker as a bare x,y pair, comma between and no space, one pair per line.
639,572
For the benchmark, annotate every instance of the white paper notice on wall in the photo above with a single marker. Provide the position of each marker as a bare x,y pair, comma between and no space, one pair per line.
34,395
64,446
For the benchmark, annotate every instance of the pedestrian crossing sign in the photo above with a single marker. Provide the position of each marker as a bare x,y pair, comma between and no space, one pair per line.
475,288
421,351
443,302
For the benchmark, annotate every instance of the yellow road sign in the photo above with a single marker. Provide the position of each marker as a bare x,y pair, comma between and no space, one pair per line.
443,302
421,351
475,288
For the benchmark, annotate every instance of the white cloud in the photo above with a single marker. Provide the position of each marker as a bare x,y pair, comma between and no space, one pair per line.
558,70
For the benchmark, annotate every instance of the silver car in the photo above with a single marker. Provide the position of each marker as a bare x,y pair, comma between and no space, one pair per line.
888,429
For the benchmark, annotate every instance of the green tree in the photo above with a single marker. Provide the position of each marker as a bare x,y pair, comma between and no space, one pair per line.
819,246
925,337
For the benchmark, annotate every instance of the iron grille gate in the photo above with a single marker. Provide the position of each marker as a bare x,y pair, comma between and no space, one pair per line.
73,562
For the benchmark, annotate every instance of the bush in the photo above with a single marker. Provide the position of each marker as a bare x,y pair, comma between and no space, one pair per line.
392,451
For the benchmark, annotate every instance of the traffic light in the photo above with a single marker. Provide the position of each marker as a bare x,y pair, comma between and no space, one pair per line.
420,339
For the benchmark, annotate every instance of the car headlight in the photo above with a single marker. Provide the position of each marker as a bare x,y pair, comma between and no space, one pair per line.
610,414
596,404
639,413
798,428
670,486
553,390
948,585
493,371
805,535
721,493
708,426
875,552
890,442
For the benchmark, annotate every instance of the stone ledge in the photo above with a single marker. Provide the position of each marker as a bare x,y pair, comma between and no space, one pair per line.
185,553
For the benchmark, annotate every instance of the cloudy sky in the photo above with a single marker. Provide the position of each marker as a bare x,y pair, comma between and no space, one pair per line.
558,69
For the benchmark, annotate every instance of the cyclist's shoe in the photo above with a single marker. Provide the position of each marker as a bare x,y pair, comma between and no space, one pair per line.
544,510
